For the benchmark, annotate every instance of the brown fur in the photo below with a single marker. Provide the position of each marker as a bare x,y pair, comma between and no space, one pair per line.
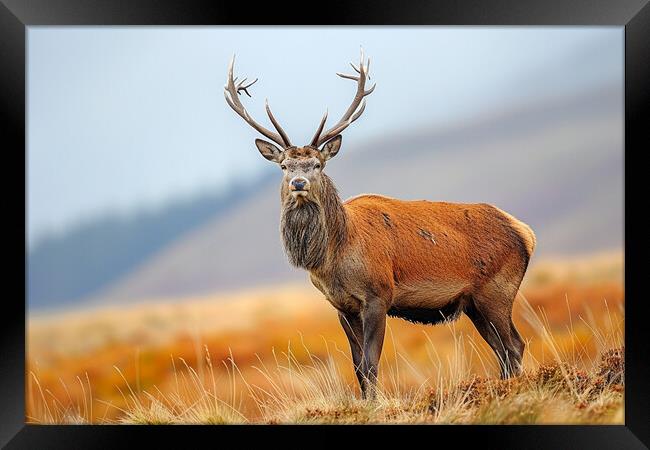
374,256
438,243
422,261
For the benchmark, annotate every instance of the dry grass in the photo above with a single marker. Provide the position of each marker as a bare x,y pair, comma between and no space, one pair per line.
214,361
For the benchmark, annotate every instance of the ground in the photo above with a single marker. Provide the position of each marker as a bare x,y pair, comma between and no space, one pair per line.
277,355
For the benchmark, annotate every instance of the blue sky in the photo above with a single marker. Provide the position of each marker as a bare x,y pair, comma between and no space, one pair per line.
125,118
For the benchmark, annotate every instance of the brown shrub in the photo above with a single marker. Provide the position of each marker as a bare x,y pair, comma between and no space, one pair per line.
561,376
564,379
612,366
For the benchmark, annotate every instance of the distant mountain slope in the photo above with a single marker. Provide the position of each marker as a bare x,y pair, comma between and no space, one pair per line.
557,166
68,267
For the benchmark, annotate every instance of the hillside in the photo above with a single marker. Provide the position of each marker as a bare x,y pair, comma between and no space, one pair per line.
556,165
66,268
279,355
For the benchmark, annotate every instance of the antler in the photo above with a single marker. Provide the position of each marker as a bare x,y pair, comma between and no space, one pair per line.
232,93
356,108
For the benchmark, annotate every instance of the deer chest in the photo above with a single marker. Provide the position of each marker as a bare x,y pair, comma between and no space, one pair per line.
343,297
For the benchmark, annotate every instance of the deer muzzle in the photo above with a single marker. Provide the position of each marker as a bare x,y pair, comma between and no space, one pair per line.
299,185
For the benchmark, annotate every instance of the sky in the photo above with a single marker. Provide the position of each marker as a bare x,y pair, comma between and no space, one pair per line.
123,118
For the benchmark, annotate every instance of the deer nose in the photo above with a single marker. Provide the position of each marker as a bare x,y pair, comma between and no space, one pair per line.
299,184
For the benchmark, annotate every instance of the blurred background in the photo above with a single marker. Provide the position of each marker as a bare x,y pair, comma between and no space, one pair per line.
143,183
144,187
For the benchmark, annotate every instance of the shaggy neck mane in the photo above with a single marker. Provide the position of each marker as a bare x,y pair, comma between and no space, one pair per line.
312,228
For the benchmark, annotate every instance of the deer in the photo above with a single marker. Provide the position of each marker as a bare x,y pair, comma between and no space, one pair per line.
373,256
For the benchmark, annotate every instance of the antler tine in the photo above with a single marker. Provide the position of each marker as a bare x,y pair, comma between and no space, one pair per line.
277,126
241,87
357,106
314,140
343,126
231,94
349,77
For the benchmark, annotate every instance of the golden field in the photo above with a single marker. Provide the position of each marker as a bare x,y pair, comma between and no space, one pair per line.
278,355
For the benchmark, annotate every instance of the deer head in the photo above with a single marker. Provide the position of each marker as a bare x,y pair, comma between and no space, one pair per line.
302,167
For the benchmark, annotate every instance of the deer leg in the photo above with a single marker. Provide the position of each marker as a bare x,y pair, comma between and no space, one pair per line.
496,335
492,317
517,339
353,328
491,312
373,317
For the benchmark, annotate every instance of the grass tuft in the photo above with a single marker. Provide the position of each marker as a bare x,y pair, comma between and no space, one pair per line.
574,365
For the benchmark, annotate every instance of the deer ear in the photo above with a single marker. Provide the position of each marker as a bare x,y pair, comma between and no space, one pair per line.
331,147
269,151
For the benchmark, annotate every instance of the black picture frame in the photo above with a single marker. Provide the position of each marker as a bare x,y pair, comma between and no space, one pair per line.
17,15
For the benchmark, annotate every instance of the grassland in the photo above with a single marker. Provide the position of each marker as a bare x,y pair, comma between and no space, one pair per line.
278,355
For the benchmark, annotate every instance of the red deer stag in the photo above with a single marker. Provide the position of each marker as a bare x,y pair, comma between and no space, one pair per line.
373,256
